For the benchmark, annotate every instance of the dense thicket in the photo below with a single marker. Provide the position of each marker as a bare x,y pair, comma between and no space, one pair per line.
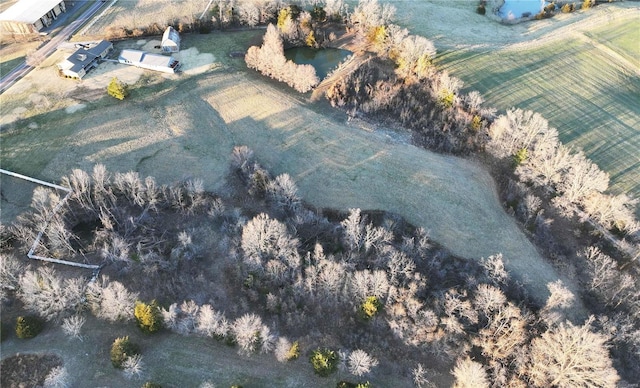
392,291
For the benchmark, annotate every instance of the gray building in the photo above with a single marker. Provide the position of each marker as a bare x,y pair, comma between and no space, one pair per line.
30,16
145,60
84,59
170,40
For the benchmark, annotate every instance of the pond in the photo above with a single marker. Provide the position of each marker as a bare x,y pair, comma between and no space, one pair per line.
514,9
323,60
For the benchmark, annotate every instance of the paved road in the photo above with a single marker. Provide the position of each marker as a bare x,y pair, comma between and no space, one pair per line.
22,69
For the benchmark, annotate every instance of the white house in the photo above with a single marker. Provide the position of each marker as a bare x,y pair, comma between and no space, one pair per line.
30,16
84,59
170,40
145,60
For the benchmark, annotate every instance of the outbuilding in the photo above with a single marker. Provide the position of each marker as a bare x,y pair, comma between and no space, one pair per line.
84,59
145,60
170,41
30,16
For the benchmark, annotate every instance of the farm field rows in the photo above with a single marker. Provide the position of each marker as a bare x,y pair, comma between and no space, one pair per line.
581,71
590,96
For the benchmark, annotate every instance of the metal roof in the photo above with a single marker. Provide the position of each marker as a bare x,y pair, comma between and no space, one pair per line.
170,34
28,11
145,58
82,57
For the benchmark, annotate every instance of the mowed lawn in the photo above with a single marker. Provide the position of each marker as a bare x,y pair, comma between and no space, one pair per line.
589,89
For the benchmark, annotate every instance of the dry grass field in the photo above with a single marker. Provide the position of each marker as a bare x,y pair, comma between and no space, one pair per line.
171,359
185,127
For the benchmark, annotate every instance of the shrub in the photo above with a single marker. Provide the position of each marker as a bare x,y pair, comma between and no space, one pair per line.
569,7
481,9
117,89
370,307
446,99
520,156
347,384
150,384
324,362
121,350
28,326
148,316
294,351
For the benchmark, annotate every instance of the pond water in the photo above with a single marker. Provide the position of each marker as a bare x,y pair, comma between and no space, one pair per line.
514,9
323,60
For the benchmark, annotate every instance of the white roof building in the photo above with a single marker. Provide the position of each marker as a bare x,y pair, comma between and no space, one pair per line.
145,60
30,16
170,40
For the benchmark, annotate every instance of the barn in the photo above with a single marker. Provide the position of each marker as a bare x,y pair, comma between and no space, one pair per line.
170,40
30,16
145,60
84,59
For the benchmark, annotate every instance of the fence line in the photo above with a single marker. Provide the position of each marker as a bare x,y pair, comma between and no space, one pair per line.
31,254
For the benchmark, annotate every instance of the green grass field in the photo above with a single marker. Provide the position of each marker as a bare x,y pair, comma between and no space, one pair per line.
590,95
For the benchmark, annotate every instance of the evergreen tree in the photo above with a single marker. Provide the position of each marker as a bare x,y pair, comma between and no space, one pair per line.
148,316
117,89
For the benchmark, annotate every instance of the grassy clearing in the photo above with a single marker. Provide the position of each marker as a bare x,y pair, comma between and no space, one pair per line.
171,360
187,128
623,38
582,90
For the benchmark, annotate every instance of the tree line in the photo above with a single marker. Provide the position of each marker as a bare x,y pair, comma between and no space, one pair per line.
392,291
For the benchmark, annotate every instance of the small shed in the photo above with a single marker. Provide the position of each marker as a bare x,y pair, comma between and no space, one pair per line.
84,59
170,41
145,60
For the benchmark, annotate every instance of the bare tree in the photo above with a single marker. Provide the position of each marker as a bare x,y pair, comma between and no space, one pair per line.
211,323
58,377
111,300
10,271
612,211
72,325
133,367
519,129
283,346
283,192
546,169
494,269
249,13
469,374
414,56
582,178
571,356
249,332
335,8
607,281
45,293
264,239
360,362
370,14
504,333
